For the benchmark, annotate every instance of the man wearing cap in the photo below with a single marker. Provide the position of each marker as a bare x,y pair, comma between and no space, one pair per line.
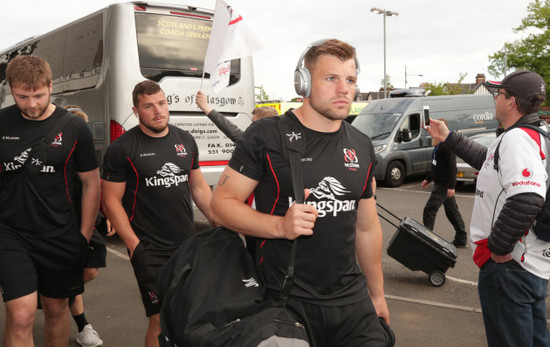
514,262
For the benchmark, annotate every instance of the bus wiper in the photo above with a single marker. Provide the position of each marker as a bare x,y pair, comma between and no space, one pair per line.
158,76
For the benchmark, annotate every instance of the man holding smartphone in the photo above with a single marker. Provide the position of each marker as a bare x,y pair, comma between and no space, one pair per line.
513,256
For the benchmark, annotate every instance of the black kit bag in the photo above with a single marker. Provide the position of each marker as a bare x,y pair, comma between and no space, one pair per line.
208,283
210,291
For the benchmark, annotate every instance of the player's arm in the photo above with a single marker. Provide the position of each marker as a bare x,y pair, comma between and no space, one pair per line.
90,201
230,210
112,207
368,244
201,193
229,129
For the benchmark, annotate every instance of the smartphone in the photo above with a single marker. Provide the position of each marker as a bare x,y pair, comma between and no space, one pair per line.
426,116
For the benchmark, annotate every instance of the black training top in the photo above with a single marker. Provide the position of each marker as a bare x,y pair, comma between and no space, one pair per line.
443,167
41,204
157,199
338,169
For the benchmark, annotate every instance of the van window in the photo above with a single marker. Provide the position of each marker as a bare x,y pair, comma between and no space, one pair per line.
412,122
377,126
174,46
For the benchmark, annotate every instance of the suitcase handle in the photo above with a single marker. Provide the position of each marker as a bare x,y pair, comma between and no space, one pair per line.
387,220
388,211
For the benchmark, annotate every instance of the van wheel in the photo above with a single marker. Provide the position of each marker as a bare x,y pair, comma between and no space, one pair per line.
395,174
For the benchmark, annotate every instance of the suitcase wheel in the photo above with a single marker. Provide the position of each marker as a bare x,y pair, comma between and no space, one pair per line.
437,278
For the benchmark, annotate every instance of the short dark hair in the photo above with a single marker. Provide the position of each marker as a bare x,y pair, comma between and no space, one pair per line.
29,71
146,87
524,106
339,49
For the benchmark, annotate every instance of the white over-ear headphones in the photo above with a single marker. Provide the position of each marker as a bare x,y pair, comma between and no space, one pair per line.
302,76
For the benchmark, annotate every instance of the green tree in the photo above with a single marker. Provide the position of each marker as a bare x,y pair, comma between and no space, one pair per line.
261,95
531,53
437,88
388,82
446,88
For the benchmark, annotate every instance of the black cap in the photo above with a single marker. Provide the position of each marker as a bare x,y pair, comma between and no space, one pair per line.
522,83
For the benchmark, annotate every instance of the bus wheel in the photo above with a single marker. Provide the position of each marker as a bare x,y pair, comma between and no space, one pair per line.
395,174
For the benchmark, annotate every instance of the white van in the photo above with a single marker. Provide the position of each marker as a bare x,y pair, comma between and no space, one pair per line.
401,144
97,60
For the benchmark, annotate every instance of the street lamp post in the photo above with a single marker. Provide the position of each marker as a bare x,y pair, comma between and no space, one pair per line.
408,75
385,13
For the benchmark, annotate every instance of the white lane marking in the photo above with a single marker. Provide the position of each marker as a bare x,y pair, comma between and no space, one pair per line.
117,253
433,303
427,191
459,280
438,304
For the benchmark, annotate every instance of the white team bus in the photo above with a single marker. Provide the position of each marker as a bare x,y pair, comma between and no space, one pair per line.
97,60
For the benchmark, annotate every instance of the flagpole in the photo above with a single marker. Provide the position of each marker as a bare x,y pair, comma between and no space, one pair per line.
202,79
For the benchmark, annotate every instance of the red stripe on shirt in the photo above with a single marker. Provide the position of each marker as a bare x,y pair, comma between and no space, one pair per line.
367,179
276,181
276,199
536,137
65,171
136,190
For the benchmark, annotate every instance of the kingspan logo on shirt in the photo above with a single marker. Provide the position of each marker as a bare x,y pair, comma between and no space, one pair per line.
328,193
169,176
20,160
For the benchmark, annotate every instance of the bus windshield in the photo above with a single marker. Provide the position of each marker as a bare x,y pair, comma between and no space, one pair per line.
174,46
377,126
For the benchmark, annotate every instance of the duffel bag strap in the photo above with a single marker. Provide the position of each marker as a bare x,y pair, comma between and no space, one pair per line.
294,144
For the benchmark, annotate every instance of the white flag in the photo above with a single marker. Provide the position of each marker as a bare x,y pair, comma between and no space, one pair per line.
230,39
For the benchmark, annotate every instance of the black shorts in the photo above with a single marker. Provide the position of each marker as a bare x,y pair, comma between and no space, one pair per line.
53,266
351,325
97,256
146,261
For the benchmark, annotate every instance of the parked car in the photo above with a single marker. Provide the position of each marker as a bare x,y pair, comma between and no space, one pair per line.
466,173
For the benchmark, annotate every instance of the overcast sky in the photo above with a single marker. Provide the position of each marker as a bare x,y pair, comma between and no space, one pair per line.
438,39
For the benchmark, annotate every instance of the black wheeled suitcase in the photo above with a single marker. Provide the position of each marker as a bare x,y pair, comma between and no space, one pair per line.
419,248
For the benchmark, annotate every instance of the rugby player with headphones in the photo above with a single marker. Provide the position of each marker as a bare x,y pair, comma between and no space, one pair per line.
331,294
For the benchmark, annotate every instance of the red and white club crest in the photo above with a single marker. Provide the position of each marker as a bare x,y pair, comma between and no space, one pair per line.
180,150
350,156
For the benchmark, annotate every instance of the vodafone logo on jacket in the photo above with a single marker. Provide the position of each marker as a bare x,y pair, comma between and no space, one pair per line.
526,173
525,179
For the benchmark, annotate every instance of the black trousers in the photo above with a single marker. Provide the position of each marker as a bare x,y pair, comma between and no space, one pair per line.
438,198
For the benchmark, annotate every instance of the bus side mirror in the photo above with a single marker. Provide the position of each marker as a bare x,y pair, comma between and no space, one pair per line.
405,135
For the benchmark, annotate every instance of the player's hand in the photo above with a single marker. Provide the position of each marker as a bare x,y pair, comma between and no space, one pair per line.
424,184
501,258
202,103
110,228
299,220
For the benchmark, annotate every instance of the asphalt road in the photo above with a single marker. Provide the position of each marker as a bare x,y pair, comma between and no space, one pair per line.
421,314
